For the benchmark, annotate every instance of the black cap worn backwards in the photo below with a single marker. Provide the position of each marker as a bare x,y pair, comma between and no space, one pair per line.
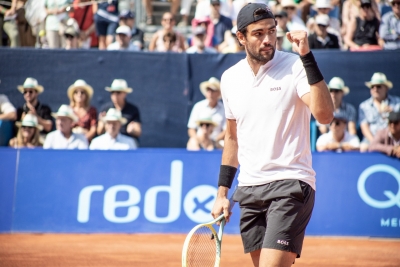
253,12
394,116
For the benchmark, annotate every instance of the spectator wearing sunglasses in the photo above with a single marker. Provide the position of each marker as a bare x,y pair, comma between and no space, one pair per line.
389,29
294,21
31,89
338,90
71,38
118,93
373,112
363,31
137,35
123,40
338,139
199,46
321,38
203,140
388,140
28,133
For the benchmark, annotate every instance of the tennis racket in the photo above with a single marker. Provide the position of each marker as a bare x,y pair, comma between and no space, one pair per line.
202,247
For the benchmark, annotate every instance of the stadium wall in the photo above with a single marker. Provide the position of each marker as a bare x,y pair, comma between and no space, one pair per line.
171,190
166,85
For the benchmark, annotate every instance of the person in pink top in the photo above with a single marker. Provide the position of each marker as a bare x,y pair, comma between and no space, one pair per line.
388,140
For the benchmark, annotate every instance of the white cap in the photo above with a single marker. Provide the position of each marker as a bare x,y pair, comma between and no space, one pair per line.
322,19
323,4
124,30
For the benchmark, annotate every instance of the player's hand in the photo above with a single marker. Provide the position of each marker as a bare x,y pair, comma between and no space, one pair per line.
299,42
221,205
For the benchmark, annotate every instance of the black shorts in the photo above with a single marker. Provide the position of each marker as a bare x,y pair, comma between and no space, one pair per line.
275,215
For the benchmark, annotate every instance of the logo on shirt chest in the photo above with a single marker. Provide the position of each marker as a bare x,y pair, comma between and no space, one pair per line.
275,88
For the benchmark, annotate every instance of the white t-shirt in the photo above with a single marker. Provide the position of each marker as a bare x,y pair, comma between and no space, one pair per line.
202,110
327,138
116,46
56,140
5,105
273,123
207,50
106,142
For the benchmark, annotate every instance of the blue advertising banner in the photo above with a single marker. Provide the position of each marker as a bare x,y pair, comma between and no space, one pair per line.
171,190
8,163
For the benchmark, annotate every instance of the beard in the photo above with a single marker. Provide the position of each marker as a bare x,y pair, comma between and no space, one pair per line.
256,55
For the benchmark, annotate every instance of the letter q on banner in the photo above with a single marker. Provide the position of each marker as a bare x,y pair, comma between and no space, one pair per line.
393,199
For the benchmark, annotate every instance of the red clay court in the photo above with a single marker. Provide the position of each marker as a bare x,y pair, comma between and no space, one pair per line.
101,250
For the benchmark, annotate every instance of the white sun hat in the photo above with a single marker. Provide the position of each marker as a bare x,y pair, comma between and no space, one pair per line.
114,115
29,120
31,83
66,111
338,84
119,85
322,4
80,84
206,120
379,78
213,83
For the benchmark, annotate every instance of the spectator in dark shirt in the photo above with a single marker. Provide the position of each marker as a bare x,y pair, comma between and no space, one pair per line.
390,27
321,39
388,140
118,90
221,23
31,90
128,18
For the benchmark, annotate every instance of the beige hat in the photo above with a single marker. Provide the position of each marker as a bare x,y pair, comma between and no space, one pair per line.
379,78
212,83
322,19
30,121
114,115
65,111
285,3
338,84
80,84
31,83
322,4
206,120
119,85
280,32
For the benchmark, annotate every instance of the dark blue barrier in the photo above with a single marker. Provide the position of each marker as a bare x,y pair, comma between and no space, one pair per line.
171,190
8,168
165,85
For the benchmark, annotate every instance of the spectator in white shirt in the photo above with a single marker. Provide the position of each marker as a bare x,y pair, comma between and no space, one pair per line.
123,40
294,21
338,139
199,46
112,139
63,137
7,110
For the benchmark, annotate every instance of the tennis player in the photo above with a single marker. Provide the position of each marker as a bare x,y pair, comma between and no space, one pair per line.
269,97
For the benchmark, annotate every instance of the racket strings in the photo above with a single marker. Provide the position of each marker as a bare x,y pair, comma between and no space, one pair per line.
202,248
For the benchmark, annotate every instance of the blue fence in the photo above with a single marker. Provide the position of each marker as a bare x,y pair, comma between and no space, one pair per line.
166,85
171,190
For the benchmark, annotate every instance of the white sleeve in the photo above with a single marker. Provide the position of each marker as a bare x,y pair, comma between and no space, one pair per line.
300,79
84,143
323,140
5,105
132,143
93,144
354,141
194,115
48,141
224,88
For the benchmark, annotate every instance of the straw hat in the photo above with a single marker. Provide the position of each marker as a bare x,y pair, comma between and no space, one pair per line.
65,111
114,115
80,84
322,4
30,121
285,3
212,83
206,120
379,78
31,83
119,85
338,84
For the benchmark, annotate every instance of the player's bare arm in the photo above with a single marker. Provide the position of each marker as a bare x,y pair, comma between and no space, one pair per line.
318,100
229,158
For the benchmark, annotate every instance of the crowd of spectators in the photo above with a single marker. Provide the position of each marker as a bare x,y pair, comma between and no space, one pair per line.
82,24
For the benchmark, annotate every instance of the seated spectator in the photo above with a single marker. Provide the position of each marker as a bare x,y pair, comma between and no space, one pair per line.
203,140
64,137
389,29
157,41
7,110
363,31
324,7
112,139
106,21
374,111
338,139
118,91
174,5
205,22
338,90
221,23
31,90
294,22
321,39
137,35
388,140
199,47
84,18
232,43
28,133
123,40
80,94
71,38
170,42
280,35
210,107
56,14
282,19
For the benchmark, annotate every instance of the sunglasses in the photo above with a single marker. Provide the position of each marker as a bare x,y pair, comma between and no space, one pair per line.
69,36
366,6
337,122
289,8
395,3
27,127
116,92
80,92
170,20
205,124
394,122
215,4
377,86
335,91
29,92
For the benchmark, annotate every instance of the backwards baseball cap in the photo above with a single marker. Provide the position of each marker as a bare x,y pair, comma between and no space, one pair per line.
253,12
365,2
394,116
127,14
